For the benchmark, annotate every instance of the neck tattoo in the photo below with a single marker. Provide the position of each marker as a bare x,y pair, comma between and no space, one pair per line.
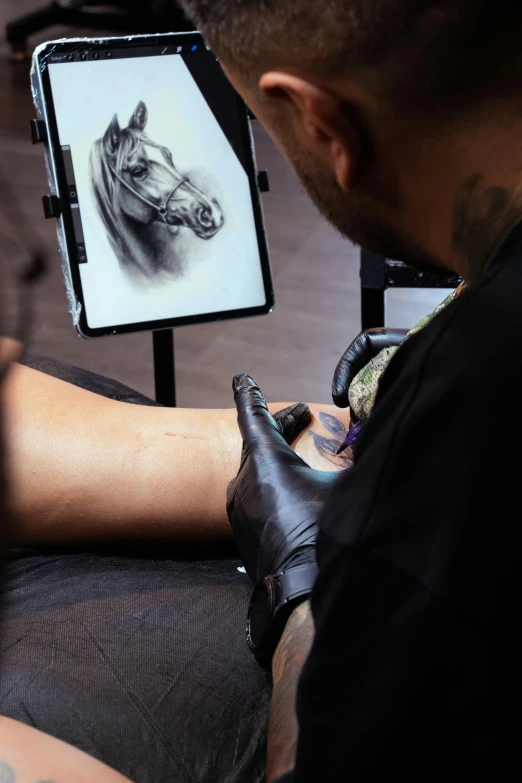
483,217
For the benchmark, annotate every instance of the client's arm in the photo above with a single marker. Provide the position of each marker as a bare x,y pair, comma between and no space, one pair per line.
29,756
85,468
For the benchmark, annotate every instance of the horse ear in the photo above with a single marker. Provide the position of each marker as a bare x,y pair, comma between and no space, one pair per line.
139,118
111,140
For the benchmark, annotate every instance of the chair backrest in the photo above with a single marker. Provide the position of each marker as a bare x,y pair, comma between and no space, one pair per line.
379,275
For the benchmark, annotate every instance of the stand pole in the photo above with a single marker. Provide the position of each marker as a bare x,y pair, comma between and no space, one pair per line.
164,369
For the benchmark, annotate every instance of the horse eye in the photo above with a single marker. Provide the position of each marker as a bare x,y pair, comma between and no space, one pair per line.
139,172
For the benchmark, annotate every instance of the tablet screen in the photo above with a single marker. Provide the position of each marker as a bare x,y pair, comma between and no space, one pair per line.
157,161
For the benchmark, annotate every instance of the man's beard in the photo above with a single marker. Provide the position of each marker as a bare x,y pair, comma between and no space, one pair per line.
356,216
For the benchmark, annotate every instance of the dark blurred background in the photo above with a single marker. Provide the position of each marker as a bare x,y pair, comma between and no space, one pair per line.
292,352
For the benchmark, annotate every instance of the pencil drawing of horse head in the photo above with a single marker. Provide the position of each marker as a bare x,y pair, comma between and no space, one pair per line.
145,203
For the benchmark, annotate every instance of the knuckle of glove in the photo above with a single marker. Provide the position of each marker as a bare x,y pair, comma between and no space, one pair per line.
341,383
247,391
359,353
292,420
353,360
382,338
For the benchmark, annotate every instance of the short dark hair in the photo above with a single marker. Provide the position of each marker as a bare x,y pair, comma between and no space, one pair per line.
425,51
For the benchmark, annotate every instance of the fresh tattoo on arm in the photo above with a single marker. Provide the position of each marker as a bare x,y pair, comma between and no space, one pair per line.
289,659
483,216
327,447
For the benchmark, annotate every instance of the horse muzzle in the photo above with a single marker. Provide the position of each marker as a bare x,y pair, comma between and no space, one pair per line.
174,223
205,219
208,221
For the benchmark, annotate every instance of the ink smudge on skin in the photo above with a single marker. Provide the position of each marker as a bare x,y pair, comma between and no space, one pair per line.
185,437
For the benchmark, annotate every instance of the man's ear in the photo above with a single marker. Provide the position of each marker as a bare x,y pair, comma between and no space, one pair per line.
139,118
111,140
323,118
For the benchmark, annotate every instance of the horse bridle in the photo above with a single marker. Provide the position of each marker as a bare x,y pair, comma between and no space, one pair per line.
162,208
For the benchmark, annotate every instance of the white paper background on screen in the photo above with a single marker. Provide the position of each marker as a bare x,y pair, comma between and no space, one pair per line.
224,272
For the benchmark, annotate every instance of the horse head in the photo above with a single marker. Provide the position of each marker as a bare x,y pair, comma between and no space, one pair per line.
152,189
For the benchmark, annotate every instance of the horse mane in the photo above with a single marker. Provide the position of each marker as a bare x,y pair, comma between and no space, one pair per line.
106,187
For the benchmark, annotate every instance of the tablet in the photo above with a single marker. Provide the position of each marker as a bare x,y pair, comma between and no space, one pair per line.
152,167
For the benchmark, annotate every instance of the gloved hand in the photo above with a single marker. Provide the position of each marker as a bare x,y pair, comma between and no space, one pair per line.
274,502
361,351
290,421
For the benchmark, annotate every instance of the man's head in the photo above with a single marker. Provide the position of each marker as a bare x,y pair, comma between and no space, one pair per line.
380,105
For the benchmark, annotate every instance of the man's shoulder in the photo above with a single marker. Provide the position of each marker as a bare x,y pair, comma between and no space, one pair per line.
475,340
488,313
437,464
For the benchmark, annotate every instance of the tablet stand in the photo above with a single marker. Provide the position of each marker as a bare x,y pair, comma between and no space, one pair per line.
164,367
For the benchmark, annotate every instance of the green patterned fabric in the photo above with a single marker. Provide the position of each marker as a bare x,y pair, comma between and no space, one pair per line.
364,387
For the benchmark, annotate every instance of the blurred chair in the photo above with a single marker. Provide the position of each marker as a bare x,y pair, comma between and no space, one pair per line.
107,16
398,295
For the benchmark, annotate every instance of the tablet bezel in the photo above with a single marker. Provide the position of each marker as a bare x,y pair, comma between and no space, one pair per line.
158,43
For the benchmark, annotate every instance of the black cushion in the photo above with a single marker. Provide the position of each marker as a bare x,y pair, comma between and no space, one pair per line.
85,379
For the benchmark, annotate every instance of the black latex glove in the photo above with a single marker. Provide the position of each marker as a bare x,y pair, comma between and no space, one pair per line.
274,502
290,421
363,349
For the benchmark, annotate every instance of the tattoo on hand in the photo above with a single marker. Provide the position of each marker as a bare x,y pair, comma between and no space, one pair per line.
287,665
296,641
327,447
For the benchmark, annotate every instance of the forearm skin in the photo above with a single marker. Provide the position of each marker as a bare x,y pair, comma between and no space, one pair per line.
86,469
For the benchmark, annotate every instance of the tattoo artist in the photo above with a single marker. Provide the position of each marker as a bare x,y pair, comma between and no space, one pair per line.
403,120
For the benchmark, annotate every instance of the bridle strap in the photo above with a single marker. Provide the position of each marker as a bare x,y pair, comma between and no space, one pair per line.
161,208
164,206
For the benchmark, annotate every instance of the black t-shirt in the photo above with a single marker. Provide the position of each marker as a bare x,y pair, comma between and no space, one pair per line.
415,667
